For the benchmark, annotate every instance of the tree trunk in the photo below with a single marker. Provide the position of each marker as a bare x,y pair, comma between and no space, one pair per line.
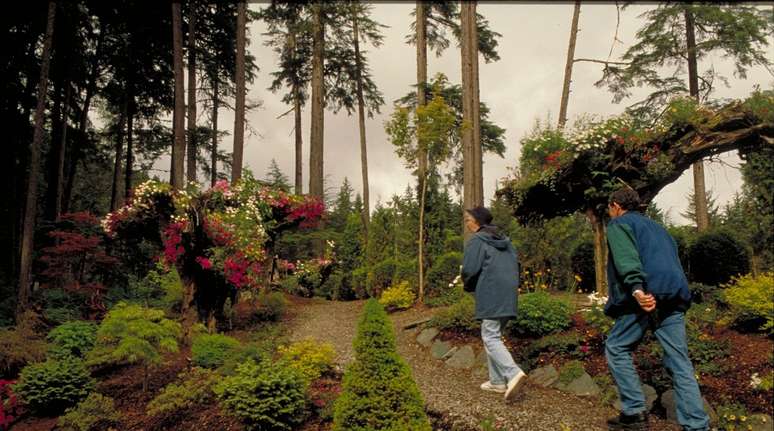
178,147
31,199
239,119
600,251
129,146
316,137
699,189
52,161
421,254
192,145
83,121
421,29
299,177
214,149
361,122
471,133
568,66
116,197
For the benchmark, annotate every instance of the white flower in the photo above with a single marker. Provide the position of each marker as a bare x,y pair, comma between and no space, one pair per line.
755,380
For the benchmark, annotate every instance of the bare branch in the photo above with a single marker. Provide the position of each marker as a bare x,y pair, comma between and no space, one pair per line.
285,113
600,61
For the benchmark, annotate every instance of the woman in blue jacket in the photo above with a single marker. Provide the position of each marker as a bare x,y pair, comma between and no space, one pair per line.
490,269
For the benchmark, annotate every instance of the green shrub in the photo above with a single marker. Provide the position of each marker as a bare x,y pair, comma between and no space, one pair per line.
443,272
715,257
460,316
570,371
541,314
192,389
398,297
338,286
289,284
161,287
454,243
264,307
596,318
707,353
20,346
406,270
308,358
134,334
264,397
246,352
732,417
380,277
211,350
54,385
74,338
751,301
558,343
95,412
583,266
360,282
60,305
378,390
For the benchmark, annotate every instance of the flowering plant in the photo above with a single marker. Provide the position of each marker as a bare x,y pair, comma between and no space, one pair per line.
223,232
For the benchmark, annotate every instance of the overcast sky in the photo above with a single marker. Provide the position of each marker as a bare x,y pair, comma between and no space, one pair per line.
523,86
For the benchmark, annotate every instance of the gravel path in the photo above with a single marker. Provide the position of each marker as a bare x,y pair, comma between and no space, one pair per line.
452,396
326,321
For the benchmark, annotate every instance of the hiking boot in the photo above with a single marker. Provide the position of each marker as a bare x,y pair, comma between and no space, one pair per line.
488,386
515,384
635,422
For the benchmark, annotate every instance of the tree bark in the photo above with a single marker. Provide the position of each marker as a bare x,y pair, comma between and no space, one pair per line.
421,29
361,123
31,199
568,66
52,161
299,177
178,147
471,133
699,189
316,137
214,149
600,252
192,144
239,119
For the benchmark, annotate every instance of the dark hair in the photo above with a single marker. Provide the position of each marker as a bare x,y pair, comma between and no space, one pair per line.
627,198
482,215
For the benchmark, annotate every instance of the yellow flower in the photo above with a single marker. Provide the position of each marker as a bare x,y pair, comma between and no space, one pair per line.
732,417
578,278
742,418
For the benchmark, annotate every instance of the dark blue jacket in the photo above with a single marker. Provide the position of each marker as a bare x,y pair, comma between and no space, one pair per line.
490,267
643,256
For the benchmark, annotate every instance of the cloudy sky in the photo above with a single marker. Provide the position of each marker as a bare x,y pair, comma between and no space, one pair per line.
523,86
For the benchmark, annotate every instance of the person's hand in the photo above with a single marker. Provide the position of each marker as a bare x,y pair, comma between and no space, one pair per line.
646,300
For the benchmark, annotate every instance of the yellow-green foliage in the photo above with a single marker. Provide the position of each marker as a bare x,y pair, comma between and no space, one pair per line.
212,350
95,410
134,334
264,397
18,347
191,389
54,385
309,358
397,297
751,298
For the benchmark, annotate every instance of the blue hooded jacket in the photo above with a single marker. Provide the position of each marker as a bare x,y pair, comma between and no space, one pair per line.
490,268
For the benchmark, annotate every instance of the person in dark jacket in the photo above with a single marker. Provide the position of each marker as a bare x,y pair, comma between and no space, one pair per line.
647,288
490,268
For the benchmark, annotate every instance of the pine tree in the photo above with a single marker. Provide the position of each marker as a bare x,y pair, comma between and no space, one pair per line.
276,178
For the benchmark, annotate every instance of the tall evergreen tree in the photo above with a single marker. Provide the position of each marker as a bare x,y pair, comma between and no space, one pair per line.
276,178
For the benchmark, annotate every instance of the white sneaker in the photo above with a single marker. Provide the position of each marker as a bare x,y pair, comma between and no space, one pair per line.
515,384
487,386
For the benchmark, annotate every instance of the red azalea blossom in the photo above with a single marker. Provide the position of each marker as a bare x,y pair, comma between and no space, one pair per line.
8,404
173,239
204,262
553,158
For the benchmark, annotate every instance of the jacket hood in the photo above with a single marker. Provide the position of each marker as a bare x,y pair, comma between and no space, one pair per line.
492,236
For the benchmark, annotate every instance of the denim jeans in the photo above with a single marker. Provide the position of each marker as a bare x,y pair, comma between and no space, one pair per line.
501,366
626,333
